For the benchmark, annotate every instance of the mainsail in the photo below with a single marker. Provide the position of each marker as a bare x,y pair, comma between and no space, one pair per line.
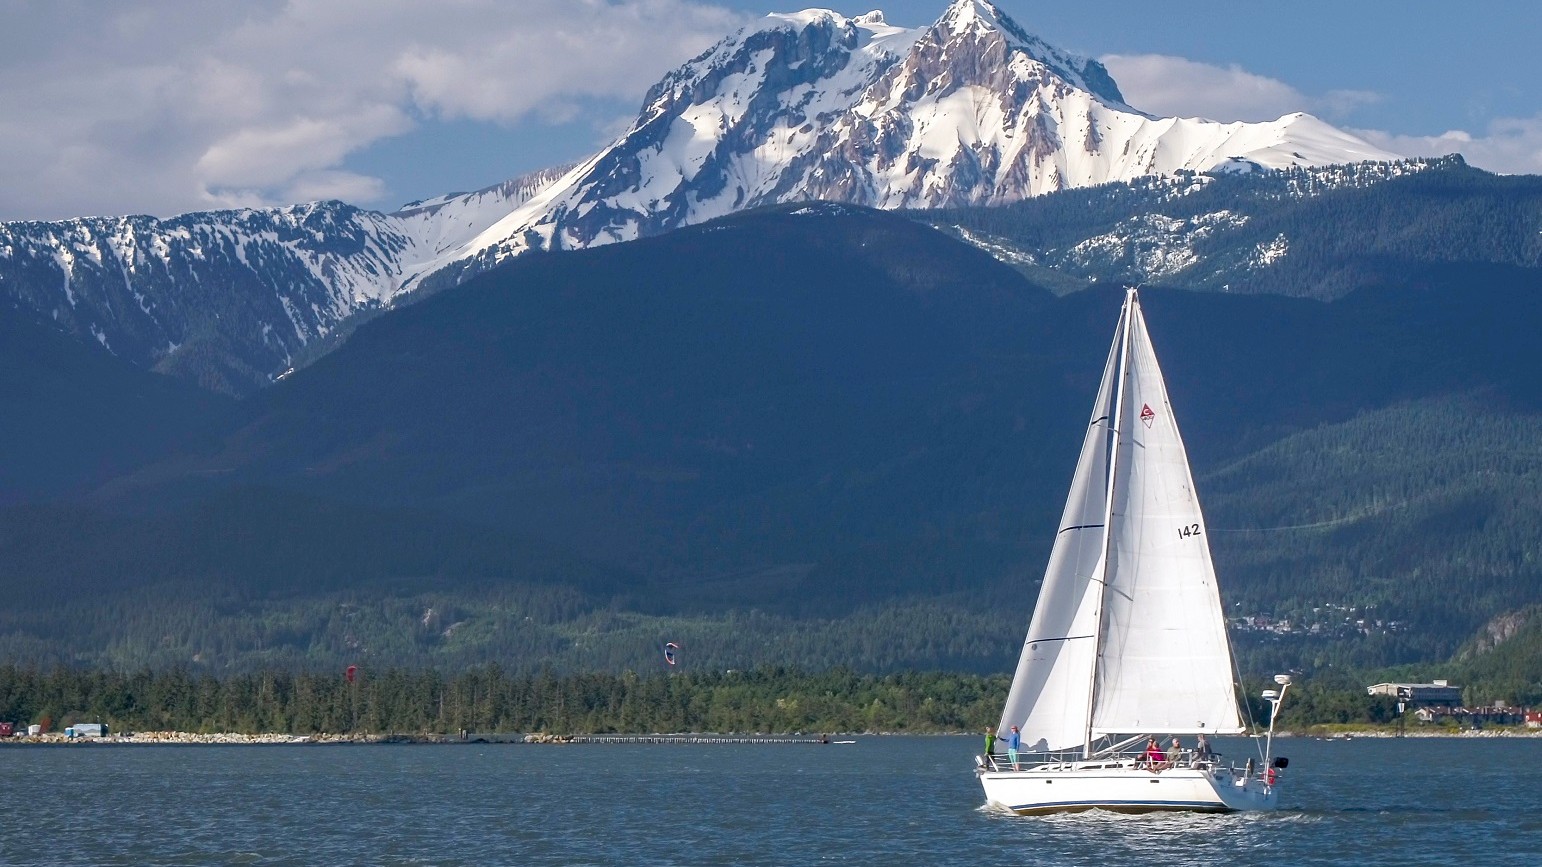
1128,634
1052,688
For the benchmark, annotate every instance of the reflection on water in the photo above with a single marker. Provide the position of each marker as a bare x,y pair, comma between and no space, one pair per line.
888,801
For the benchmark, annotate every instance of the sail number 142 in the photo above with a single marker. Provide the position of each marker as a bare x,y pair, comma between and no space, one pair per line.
1188,530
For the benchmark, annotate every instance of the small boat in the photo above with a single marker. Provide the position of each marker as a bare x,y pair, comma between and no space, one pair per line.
1127,643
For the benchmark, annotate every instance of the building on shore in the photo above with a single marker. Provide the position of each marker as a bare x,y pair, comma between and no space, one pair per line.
1435,694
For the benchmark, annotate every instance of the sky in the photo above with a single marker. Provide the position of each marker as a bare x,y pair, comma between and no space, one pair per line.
167,106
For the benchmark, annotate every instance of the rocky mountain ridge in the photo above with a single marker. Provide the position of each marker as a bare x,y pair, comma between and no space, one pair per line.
815,106
971,110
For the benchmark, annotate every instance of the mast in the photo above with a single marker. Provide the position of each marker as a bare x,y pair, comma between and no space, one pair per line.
1116,422
1164,662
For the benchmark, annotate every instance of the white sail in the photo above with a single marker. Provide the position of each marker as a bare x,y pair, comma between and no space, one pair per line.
1052,688
1127,636
1164,663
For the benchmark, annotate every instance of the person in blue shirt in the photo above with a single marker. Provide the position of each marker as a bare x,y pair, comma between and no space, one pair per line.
1014,743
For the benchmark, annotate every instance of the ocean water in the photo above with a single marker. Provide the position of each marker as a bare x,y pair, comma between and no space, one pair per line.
882,801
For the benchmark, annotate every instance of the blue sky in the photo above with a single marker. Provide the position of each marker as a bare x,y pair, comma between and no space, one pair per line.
166,106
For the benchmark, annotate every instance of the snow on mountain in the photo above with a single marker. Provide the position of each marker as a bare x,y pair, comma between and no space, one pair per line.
245,290
232,298
440,226
972,110
1188,227
812,105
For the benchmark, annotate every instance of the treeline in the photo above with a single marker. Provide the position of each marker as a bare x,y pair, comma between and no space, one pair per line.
488,699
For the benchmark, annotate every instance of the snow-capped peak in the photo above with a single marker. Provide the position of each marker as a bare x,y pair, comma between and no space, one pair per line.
801,106
980,22
811,105
800,20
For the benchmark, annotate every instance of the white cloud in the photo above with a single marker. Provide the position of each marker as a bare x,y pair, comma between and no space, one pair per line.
1510,145
347,186
266,156
1176,87
167,106
1343,103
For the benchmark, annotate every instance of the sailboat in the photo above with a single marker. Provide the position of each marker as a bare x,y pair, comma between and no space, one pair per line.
1127,641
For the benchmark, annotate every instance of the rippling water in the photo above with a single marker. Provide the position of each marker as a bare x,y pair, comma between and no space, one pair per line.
882,801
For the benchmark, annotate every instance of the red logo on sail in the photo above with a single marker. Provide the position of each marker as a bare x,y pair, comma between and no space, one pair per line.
1146,415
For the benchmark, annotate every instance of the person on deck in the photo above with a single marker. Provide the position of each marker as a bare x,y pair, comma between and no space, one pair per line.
1202,752
990,747
1154,758
1174,753
1014,743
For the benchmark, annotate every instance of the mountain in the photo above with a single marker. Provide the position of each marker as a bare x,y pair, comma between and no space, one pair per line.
77,417
971,110
1500,662
227,299
575,395
812,434
1318,232
232,299
585,424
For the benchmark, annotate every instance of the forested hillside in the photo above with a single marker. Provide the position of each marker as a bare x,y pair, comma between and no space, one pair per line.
73,417
811,436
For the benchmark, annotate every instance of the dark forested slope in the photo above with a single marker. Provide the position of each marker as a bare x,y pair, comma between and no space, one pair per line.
842,421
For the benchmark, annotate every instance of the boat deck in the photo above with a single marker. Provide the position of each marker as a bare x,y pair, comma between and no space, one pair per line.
1040,763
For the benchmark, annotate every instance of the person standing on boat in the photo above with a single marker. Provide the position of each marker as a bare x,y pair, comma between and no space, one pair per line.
1202,750
990,747
1014,743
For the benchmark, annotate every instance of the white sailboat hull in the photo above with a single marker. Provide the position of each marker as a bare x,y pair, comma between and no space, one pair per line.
1058,788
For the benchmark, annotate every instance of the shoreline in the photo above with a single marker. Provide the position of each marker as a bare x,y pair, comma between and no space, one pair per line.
57,739
171,738
212,739
1351,734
